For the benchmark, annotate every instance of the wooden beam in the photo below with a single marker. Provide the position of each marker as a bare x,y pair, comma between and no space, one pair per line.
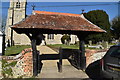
82,52
34,52
12,38
82,55
60,61
36,39
3,44
79,61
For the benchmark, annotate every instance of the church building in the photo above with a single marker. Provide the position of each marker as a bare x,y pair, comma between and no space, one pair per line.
16,13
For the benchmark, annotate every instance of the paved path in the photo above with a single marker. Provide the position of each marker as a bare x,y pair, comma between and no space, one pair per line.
46,50
50,69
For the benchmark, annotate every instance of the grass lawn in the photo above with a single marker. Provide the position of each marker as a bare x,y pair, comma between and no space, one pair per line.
15,49
57,46
92,48
64,46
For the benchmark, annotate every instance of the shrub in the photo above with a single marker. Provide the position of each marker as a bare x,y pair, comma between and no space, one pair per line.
7,68
65,37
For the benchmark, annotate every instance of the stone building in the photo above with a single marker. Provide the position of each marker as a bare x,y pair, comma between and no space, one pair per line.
17,13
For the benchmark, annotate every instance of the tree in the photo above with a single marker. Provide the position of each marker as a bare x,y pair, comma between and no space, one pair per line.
66,39
116,27
101,19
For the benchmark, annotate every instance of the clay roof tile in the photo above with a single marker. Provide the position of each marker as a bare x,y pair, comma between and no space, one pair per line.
57,21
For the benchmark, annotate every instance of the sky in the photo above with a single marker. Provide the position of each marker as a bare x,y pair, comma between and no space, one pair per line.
67,0
111,10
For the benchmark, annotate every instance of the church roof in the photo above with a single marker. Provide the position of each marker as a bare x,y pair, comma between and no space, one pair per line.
57,21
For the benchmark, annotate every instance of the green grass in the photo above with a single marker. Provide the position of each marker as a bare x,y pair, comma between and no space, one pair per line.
92,48
64,46
15,49
68,46
112,43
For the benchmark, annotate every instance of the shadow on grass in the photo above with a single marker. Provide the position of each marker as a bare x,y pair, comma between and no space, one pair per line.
14,54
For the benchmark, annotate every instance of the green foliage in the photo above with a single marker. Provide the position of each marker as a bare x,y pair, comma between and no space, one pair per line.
57,46
116,27
65,37
21,78
101,19
7,68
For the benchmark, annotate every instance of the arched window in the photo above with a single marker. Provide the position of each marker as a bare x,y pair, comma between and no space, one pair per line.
50,36
18,5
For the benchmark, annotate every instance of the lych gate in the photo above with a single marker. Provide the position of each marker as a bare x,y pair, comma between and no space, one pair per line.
42,22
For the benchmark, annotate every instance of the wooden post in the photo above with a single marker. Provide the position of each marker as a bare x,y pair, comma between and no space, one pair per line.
79,60
82,53
60,61
38,61
3,45
34,56
11,37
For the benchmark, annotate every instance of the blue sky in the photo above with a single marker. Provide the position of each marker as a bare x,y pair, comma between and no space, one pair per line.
111,10
67,0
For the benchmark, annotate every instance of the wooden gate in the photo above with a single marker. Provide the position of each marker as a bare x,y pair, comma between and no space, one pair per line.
73,55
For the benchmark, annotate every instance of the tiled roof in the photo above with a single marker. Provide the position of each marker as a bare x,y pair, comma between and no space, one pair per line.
56,13
57,21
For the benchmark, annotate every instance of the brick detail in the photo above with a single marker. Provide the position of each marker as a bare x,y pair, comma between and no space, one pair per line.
90,57
24,66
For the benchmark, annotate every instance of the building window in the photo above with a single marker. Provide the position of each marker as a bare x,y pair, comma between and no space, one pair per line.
50,36
18,5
